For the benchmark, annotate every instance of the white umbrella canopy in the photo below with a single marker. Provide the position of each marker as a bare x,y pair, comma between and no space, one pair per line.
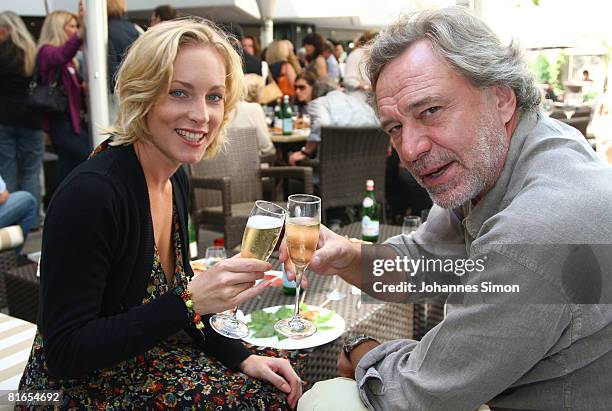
552,23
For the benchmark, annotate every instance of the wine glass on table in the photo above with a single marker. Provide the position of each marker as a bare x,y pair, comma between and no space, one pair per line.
302,233
258,241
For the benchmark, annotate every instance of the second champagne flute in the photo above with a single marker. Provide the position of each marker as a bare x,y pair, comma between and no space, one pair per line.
258,241
302,231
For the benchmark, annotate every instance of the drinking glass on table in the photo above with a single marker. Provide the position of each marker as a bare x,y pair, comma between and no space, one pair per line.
410,224
214,255
258,241
302,232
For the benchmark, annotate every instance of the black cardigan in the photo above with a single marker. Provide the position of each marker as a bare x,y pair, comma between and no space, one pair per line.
97,256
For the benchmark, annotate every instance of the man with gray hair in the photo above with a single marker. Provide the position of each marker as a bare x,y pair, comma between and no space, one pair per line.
511,189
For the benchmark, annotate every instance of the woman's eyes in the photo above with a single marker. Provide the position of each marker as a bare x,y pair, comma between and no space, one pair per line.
181,94
177,93
215,97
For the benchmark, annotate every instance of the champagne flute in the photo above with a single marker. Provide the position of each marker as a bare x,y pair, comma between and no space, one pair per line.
302,231
258,241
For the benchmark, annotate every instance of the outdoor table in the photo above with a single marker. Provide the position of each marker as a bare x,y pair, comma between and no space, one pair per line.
298,136
384,321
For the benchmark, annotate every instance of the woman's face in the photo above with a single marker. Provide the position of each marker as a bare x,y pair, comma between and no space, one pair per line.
303,91
310,49
185,119
247,46
71,27
4,33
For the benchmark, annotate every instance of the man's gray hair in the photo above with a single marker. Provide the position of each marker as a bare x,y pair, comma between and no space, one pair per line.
466,43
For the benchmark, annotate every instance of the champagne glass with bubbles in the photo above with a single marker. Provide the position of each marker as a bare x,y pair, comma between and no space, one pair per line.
258,241
302,232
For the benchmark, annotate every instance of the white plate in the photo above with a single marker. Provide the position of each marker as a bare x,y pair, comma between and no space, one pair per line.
319,338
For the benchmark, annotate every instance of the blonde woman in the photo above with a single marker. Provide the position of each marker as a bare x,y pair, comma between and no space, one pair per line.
124,322
60,39
21,135
283,72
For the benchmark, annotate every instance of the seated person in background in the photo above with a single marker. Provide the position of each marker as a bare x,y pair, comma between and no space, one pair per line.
249,113
354,76
123,320
531,327
549,93
279,56
336,108
333,68
161,13
18,207
306,90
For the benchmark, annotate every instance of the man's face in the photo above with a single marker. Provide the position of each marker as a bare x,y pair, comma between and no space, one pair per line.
449,134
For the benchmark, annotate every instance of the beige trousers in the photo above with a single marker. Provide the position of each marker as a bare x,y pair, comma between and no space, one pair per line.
338,394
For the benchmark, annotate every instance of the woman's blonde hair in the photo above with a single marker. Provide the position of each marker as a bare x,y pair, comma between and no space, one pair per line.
282,50
115,8
21,38
277,51
147,69
52,31
255,83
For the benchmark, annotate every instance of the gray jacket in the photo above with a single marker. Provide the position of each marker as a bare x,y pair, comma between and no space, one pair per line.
546,226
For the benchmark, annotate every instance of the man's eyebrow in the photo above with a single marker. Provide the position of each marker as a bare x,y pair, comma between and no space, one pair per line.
425,101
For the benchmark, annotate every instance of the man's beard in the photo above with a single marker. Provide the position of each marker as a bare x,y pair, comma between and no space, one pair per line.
480,168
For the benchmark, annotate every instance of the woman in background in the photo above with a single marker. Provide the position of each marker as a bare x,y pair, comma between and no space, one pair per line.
21,137
306,90
60,39
313,43
249,113
283,72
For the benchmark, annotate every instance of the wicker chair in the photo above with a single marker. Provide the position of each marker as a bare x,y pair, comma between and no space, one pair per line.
579,123
348,156
10,238
224,188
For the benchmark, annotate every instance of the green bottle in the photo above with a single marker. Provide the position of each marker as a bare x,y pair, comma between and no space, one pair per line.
193,242
287,117
288,286
370,225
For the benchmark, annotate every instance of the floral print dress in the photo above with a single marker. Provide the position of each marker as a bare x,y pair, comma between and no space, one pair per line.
174,374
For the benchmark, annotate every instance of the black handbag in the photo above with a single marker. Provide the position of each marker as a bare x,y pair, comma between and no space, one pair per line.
46,99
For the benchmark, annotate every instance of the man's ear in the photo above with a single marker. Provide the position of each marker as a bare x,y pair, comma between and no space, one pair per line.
505,102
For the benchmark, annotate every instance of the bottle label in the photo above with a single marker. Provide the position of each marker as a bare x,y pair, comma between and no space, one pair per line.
286,282
368,202
369,227
287,125
193,249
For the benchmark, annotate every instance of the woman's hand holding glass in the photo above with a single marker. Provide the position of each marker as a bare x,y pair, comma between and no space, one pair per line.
227,284
258,241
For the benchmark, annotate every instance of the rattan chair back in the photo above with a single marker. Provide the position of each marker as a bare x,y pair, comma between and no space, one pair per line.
348,156
238,160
